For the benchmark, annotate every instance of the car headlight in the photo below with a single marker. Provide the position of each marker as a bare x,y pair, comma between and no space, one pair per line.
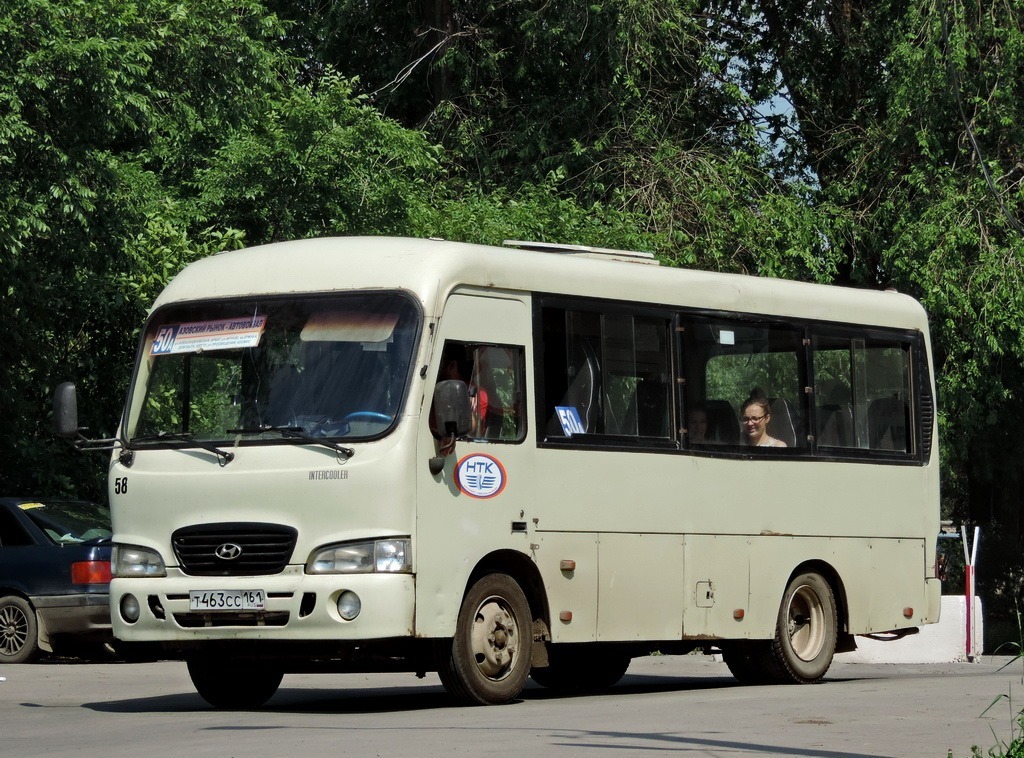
131,561
375,556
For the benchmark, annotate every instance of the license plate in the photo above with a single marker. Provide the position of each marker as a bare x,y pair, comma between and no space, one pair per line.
226,600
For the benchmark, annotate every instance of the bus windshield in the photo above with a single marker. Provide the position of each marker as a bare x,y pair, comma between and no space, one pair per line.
282,368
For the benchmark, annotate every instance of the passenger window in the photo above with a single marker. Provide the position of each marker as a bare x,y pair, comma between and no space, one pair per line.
740,370
862,393
606,374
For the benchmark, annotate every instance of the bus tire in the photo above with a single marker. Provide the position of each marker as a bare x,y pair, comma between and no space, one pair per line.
488,660
19,632
805,636
234,684
588,668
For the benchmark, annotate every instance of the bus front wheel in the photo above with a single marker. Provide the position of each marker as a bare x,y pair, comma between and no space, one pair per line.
489,657
234,684
586,668
805,637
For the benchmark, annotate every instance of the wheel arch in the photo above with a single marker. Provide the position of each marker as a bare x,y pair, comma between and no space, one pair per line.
835,581
524,571
8,589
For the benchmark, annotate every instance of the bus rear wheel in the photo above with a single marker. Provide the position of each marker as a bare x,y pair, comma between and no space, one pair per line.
488,660
805,636
233,684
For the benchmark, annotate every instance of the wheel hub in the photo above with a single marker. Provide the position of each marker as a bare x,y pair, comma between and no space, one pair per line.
494,639
805,624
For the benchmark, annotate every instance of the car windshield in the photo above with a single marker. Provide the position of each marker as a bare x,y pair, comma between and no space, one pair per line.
66,521
281,369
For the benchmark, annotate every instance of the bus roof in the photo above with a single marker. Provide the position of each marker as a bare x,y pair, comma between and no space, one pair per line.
431,268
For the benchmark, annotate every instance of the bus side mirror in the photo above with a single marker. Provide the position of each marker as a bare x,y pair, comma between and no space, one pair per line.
65,411
452,418
453,411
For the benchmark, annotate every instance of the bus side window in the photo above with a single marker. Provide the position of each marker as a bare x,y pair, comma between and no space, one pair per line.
606,374
728,360
723,423
494,374
862,393
583,393
498,371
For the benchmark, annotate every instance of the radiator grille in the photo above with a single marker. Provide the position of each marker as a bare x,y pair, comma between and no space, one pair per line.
234,549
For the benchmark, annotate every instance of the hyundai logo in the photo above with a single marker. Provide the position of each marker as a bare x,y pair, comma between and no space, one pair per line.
229,551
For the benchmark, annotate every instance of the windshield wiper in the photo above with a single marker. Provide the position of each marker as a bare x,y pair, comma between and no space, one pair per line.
223,456
296,433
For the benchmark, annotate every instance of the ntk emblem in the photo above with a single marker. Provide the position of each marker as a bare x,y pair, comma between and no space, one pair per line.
480,476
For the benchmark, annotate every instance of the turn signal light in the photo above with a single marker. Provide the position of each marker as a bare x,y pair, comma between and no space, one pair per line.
90,572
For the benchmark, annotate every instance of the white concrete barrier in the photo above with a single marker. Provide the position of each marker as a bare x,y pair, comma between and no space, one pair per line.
944,642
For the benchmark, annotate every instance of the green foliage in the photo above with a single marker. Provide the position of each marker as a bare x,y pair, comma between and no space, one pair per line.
538,212
911,119
517,90
318,162
132,141
107,111
939,177
627,107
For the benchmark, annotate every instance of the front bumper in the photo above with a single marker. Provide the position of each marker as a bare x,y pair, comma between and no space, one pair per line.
299,607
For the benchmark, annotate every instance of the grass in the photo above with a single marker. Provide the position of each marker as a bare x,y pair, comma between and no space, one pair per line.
1015,747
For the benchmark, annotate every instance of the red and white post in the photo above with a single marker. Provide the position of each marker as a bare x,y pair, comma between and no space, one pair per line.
970,556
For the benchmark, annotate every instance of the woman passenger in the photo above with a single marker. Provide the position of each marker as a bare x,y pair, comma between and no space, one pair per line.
755,413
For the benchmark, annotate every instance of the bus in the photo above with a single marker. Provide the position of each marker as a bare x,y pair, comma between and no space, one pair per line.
496,462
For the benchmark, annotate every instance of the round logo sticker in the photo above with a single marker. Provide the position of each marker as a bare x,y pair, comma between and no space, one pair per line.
480,475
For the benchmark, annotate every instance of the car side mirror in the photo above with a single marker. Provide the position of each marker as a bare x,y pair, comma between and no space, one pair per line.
65,411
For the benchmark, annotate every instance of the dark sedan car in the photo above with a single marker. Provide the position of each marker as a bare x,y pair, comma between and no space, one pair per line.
54,577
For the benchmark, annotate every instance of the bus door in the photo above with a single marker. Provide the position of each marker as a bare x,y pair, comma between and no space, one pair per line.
482,500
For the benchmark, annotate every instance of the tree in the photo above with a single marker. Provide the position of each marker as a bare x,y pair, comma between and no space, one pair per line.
123,139
629,105
909,115
93,145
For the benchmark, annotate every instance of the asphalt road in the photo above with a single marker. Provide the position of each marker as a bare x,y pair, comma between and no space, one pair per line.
686,705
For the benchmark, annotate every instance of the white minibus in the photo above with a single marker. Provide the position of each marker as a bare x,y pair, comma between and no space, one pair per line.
379,454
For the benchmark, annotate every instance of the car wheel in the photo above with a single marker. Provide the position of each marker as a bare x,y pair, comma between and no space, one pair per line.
19,633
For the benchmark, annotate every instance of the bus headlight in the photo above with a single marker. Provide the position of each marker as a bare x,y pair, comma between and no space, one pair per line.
392,556
132,561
